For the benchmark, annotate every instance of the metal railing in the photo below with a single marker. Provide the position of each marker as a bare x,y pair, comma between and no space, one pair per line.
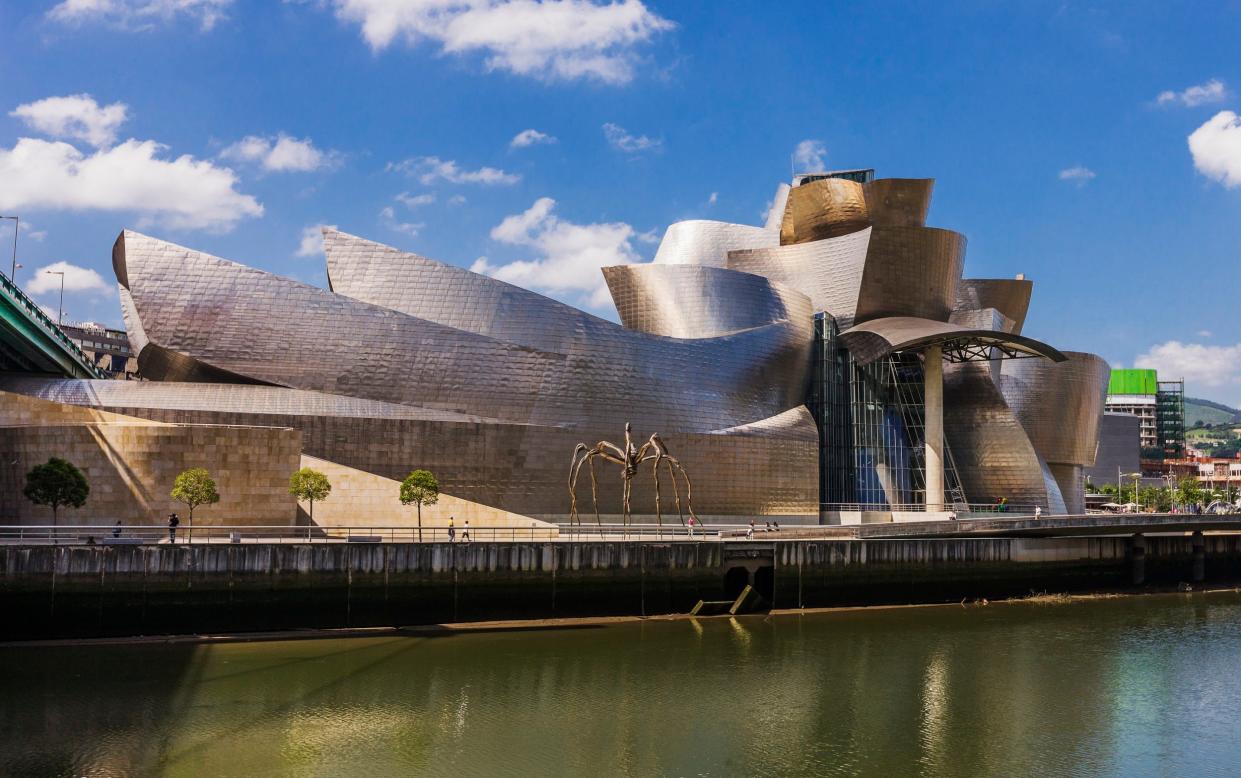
150,534
964,510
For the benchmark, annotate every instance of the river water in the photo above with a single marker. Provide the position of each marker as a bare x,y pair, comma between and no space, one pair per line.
1118,687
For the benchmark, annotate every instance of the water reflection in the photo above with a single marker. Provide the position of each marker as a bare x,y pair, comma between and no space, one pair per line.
1116,687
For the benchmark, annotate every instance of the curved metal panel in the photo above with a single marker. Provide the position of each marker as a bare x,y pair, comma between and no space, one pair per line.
703,242
1059,405
1072,482
898,202
880,337
993,456
279,331
455,297
829,272
1009,296
691,301
823,209
911,271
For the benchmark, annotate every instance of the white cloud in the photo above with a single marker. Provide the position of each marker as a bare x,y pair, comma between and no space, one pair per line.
1212,91
311,243
547,39
140,14
569,255
809,156
620,139
530,138
1213,367
715,196
28,230
183,193
415,201
430,169
280,154
388,217
77,279
1204,333
1216,148
1078,175
74,116
457,200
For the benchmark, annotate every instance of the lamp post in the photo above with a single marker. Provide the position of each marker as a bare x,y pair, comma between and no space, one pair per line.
17,223
60,312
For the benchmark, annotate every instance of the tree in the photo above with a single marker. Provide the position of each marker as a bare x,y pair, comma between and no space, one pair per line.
1189,491
56,483
420,489
309,485
195,487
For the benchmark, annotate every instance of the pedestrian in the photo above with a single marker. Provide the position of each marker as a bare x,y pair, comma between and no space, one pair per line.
749,531
767,527
465,532
952,515
691,527
173,523
1038,512
452,531
776,525
116,529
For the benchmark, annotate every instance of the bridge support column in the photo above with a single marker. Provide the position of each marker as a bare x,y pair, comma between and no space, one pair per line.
933,425
1137,559
1198,572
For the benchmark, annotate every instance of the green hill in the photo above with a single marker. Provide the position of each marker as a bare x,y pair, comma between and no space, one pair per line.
1209,413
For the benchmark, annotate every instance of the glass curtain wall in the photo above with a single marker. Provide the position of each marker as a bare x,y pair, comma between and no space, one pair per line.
871,428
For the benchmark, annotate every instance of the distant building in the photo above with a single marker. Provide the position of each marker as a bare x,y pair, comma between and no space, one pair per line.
1119,451
107,348
1160,408
1211,472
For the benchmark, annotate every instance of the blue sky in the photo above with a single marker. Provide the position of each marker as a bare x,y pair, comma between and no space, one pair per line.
1058,132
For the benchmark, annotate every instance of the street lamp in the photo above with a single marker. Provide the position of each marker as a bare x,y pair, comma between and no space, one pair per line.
60,312
1136,500
17,222
1170,479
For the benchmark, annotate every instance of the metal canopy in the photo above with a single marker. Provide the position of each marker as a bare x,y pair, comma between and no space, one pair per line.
878,338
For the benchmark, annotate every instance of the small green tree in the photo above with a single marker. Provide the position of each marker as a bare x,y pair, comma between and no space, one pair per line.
195,487
56,483
420,489
309,485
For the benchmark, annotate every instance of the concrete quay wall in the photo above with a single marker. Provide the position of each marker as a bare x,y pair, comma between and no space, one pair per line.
83,591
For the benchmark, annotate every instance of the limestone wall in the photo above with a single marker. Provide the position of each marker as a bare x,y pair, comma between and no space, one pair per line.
131,464
361,499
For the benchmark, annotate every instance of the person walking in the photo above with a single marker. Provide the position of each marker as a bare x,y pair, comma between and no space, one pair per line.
452,531
116,529
691,527
173,523
1038,512
749,531
465,532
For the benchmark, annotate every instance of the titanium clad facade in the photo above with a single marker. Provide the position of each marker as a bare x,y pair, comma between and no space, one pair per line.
276,331
702,242
1010,297
695,301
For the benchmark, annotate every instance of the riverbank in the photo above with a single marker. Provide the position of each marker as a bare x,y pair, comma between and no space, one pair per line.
102,592
586,622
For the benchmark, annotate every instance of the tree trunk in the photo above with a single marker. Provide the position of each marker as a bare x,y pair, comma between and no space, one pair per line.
191,532
312,511
55,540
419,522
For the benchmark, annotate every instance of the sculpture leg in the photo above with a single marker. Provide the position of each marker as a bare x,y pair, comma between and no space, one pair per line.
575,468
676,493
594,490
659,516
689,489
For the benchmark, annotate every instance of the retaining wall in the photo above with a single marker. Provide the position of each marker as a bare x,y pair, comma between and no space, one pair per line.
70,591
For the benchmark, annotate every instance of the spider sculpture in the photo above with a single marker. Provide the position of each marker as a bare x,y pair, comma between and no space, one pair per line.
629,458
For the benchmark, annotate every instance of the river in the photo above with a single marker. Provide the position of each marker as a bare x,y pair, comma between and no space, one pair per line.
1132,686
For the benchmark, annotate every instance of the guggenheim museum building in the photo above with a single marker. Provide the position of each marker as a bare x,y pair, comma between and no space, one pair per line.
832,365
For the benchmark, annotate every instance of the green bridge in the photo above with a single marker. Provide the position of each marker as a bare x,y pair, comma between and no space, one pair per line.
30,342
